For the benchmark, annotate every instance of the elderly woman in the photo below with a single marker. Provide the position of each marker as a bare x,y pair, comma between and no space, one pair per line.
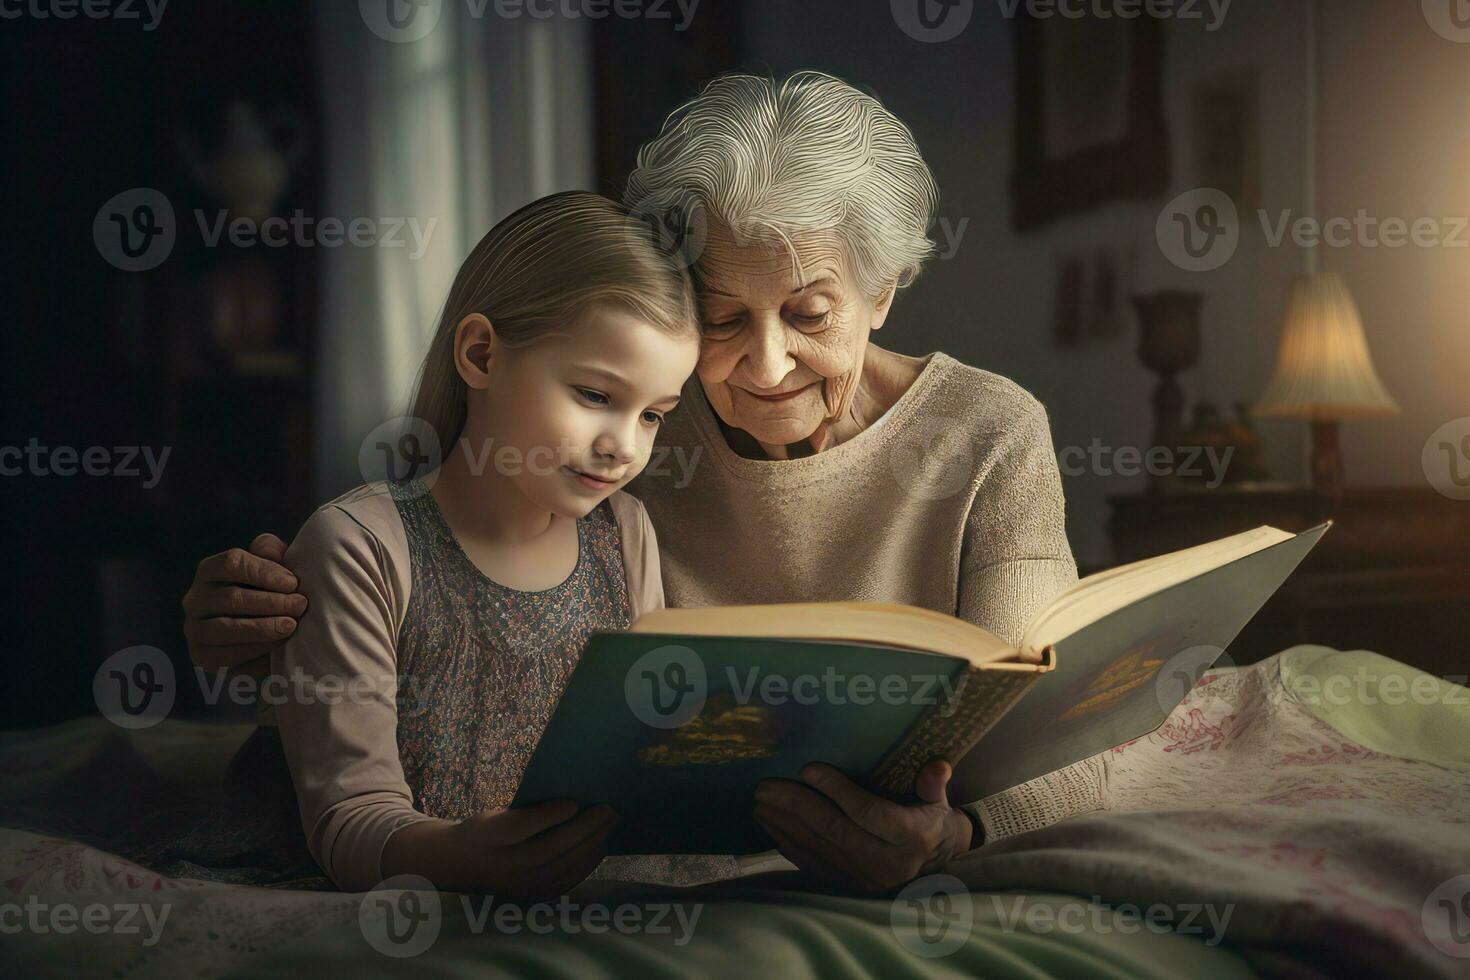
824,467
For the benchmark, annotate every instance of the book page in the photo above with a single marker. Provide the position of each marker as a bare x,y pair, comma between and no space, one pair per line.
1106,592
1119,675
882,624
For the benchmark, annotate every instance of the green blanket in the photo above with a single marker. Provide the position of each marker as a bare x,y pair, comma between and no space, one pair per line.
1325,827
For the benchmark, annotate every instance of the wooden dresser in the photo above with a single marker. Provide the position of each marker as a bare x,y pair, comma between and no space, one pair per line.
1392,575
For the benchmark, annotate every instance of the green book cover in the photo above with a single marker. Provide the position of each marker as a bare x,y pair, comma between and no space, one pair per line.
674,731
1118,678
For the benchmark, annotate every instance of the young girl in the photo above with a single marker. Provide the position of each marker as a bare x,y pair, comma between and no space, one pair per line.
448,610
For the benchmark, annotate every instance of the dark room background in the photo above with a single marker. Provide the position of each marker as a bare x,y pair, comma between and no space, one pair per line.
259,370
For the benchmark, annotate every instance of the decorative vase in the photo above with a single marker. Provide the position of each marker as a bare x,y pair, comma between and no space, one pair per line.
1168,342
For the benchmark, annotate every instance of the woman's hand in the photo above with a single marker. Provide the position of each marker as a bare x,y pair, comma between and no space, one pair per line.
845,837
531,854
242,604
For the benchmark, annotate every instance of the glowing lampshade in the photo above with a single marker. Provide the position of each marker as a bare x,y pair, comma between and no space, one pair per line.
1323,371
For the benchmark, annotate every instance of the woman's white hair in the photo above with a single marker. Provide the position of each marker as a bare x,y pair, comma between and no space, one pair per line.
776,161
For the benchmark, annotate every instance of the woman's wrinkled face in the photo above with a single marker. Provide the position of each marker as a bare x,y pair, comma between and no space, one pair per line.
781,356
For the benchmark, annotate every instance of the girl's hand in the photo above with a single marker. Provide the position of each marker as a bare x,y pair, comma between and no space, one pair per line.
531,854
536,852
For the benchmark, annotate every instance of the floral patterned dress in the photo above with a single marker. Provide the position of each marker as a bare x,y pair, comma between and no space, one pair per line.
480,669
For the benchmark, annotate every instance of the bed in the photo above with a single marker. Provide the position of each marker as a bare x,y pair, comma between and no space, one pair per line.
1308,815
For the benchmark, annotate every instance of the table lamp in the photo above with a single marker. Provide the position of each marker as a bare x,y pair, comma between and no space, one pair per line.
1323,371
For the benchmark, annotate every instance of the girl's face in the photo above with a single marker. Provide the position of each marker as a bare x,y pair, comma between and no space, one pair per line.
572,417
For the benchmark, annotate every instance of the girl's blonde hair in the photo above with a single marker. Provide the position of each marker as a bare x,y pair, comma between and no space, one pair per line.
540,269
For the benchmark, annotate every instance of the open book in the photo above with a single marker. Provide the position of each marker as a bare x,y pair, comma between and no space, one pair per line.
674,721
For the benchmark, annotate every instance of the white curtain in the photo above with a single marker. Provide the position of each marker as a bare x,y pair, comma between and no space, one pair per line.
453,132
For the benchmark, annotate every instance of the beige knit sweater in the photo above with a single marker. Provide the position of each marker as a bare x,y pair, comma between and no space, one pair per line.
952,501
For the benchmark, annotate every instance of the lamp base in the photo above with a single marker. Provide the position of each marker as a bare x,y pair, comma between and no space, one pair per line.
1326,456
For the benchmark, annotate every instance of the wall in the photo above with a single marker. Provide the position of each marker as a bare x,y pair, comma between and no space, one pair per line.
1396,141
1393,135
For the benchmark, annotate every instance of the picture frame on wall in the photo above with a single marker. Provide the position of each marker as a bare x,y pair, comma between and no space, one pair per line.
1225,137
1089,124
